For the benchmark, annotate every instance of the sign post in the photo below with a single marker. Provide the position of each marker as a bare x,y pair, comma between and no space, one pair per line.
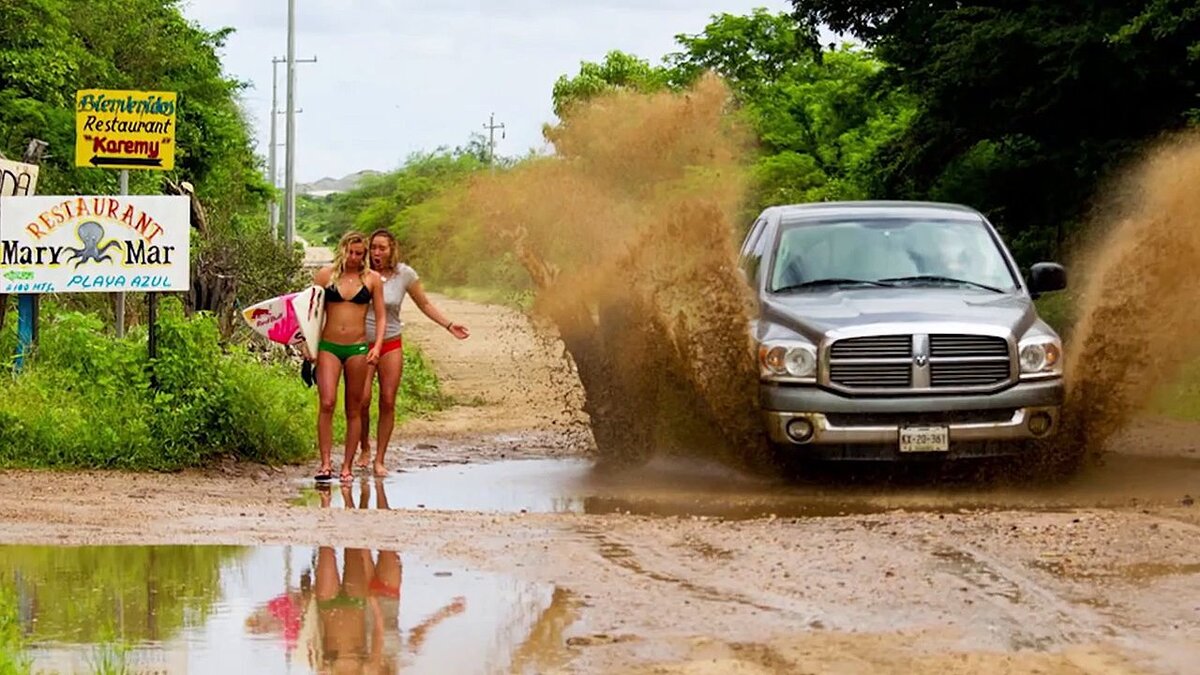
118,129
20,179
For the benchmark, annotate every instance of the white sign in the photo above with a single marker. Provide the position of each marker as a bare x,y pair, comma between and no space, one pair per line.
94,244
17,178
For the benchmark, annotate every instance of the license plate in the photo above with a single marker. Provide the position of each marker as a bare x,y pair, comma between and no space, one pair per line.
924,439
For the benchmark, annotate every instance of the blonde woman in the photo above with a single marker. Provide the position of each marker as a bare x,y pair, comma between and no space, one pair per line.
399,280
351,290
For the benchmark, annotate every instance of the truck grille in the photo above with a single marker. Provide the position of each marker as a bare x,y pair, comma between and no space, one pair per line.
890,362
872,375
969,374
971,346
873,347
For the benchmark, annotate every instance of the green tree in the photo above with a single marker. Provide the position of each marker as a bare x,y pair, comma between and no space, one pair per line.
618,70
819,116
1023,107
749,51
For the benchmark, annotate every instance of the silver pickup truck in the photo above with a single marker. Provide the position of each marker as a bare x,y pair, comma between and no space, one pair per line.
897,330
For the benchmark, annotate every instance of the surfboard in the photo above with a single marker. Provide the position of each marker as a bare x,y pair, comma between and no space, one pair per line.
290,319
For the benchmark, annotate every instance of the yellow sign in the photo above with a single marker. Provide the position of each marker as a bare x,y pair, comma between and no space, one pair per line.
125,129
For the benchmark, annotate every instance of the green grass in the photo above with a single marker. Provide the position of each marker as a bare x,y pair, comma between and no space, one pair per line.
89,400
1181,399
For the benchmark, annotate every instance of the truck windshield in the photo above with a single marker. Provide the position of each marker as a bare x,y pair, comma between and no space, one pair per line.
889,251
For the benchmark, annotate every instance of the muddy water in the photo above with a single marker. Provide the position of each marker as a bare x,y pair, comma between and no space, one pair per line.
274,610
1138,321
628,232
690,488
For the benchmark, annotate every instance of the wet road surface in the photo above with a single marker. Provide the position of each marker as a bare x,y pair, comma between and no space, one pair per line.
669,568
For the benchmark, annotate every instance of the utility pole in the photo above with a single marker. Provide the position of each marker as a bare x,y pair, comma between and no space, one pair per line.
491,126
290,179
273,214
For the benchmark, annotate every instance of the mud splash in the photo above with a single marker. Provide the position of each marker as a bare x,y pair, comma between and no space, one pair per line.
628,233
1139,323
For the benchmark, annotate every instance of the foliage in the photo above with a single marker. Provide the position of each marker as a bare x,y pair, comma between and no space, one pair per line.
13,658
1023,107
51,48
87,399
420,389
415,203
818,118
114,595
618,70
381,201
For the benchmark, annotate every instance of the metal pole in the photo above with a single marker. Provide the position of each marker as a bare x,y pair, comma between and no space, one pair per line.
273,214
124,181
28,304
275,112
290,170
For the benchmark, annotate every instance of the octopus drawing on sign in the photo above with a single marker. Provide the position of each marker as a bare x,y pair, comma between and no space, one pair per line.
90,233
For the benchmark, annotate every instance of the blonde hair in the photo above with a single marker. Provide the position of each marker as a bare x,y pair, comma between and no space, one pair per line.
393,260
339,257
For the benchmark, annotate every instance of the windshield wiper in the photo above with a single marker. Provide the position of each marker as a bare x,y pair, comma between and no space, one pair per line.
937,278
816,283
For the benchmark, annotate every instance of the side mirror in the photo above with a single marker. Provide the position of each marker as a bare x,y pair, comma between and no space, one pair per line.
1046,277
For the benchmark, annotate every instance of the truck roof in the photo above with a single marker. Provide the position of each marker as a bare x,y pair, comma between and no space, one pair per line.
873,208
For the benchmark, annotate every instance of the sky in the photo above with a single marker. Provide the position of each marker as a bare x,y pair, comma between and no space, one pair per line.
394,77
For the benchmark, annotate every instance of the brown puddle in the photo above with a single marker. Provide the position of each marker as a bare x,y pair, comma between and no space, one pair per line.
141,609
691,488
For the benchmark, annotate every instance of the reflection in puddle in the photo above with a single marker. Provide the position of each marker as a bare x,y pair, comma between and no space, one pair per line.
687,488
271,610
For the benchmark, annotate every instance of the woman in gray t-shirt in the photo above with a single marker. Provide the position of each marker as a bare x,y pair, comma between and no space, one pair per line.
398,280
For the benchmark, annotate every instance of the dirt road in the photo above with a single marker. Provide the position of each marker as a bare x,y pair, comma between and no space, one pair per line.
681,568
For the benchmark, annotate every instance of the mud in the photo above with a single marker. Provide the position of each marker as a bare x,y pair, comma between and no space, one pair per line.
958,578
628,234
673,487
1138,321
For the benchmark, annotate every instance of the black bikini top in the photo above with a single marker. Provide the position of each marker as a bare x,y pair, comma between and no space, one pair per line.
332,294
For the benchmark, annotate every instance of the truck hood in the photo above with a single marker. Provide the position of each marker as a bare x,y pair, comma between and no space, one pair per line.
814,314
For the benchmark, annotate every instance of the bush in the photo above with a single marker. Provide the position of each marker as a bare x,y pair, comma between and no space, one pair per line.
87,399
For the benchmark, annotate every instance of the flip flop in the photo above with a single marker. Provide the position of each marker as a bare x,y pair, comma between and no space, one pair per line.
346,477
324,477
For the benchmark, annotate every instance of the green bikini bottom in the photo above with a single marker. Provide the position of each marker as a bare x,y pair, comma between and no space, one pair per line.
341,600
343,352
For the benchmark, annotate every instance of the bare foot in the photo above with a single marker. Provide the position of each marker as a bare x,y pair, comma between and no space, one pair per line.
365,462
380,470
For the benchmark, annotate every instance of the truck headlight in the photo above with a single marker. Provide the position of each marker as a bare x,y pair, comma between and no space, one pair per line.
787,361
1041,357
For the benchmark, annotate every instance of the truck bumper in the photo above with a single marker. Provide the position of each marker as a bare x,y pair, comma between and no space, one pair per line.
831,426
